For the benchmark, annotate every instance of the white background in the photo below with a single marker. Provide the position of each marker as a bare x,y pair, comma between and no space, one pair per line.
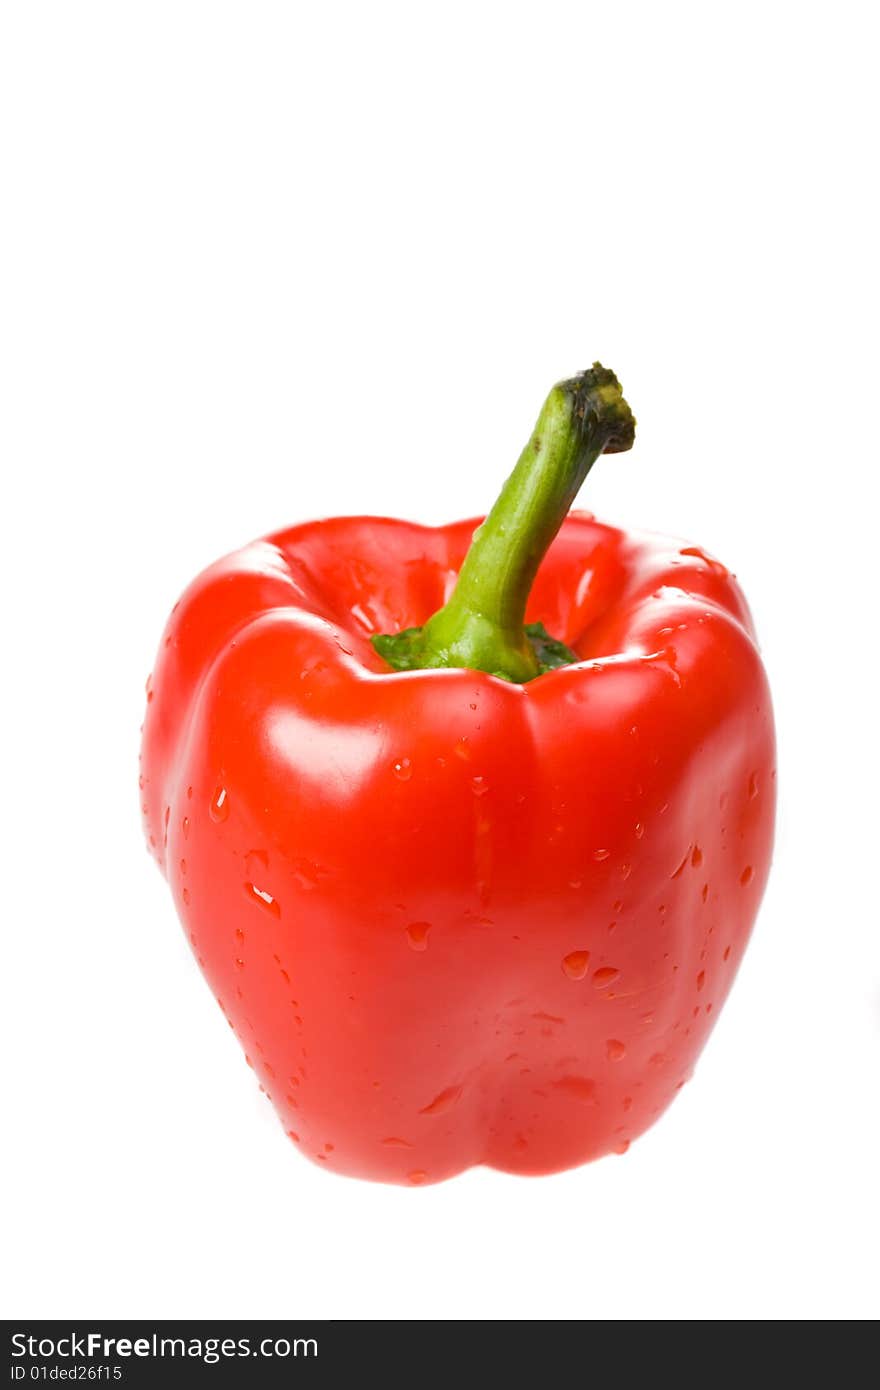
263,262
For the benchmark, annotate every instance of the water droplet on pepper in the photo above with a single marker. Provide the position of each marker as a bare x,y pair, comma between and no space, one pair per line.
575,964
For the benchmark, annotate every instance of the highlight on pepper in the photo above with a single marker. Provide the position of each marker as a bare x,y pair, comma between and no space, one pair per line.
467,826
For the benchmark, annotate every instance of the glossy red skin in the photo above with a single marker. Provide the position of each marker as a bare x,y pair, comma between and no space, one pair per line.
437,850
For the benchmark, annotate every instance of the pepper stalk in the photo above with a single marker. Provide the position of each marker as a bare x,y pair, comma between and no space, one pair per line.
482,625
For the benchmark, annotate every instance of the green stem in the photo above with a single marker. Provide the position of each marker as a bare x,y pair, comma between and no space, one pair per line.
482,626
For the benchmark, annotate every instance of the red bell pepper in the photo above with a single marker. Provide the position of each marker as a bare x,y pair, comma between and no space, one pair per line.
468,890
